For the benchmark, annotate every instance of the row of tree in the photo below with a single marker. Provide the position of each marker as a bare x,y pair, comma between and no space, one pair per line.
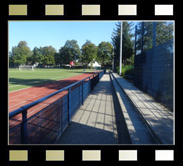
164,32
127,44
21,54
144,35
104,53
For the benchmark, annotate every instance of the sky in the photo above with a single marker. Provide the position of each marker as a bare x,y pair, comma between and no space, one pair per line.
56,33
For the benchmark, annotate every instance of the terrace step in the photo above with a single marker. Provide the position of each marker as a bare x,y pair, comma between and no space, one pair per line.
157,118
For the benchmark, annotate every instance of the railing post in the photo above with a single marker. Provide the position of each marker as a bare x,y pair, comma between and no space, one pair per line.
82,92
61,114
69,105
23,110
89,85
92,83
24,127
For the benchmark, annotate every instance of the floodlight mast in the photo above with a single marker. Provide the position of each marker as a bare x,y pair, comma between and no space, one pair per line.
121,42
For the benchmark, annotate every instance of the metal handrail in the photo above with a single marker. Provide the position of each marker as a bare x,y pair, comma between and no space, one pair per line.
23,110
26,107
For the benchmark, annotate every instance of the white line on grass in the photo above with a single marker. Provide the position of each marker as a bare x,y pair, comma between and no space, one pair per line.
39,81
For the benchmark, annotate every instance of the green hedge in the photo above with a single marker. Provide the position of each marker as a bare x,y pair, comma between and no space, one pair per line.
126,70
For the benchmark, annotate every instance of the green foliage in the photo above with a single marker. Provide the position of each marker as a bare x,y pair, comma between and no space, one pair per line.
11,60
58,60
48,54
130,61
69,52
37,56
126,70
21,53
164,32
88,52
49,60
104,53
147,36
127,43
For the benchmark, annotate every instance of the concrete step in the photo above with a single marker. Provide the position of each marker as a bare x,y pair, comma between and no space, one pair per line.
94,122
158,119
137,130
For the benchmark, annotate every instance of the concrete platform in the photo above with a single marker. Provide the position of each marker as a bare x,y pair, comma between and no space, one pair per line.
138,131
156,116
94,122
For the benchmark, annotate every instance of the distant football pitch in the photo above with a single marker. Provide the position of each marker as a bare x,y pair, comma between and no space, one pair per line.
24,79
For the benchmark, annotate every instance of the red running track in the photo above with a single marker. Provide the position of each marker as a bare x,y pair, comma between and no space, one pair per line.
22,97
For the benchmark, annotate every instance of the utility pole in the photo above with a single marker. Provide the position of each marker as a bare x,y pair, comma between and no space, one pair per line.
121,42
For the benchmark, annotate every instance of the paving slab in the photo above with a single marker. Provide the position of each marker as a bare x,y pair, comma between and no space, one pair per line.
133,121
158,118
94,122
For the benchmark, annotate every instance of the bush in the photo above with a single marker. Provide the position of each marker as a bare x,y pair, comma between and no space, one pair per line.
126,70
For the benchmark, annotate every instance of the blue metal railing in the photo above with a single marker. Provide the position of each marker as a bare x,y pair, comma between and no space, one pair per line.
46,125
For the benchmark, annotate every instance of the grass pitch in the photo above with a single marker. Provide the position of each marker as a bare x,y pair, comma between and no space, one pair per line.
24,79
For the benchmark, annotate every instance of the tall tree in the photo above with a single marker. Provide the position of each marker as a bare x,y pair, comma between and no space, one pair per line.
164,32
37,56
69,52
21,53
48,54
128,43
104,53
58,60
88,52
11,60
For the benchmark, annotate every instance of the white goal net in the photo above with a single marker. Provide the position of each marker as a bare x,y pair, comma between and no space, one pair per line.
26,67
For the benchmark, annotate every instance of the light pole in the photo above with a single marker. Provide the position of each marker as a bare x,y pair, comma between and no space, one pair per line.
121,42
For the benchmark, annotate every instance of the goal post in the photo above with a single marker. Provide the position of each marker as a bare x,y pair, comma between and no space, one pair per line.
26,67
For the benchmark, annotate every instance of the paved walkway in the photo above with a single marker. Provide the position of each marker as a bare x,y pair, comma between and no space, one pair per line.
159,119
137,129
94,122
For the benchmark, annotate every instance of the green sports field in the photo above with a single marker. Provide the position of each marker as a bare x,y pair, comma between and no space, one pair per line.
24,79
